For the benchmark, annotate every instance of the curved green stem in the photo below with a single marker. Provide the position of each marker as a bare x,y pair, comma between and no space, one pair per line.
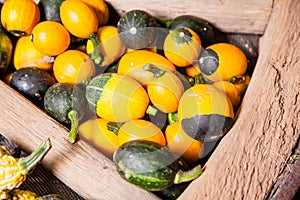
26,164
185,176
96,54
153,69
73,116
114,126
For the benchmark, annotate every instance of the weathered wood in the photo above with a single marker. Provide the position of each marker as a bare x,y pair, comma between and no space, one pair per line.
249,159
239,16
79,166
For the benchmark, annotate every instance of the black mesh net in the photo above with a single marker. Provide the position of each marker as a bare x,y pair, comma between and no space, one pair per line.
40,181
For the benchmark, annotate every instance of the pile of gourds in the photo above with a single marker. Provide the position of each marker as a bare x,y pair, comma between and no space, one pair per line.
177,83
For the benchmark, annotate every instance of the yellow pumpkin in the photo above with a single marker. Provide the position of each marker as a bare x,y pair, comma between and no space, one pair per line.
26,55
100,8
19,17
111,45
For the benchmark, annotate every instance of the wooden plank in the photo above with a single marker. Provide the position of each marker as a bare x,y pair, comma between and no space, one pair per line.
89,173
250,158
239,16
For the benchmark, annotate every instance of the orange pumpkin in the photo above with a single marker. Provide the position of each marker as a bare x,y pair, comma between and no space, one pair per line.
19,17
100,9
26,55
182,47
132,63
181,144
50,38
164,90
111,45
81,21
96,133
79,18
73,66
140,129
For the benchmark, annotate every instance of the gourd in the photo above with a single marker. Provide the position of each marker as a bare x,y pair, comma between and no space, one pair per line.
73,66
111,45
19,17
151,166
101,10
98,132
15,170
131,64
137,29
66,103
6,49
205,113
81,21
32,83
206,31
50,38
182,47
18,194
26,55
140,129
164,90
182,144
116,97
222,61
51,9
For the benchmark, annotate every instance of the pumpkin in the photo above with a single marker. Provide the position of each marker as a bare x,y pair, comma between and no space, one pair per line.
116,97
50,38
111,45
100,9
222,61
26,55
231,91
19,17
81,21
97,133
132,64
240,82
182,47
164,90
205,113
140,129
73,66
6,51
136,28
182,144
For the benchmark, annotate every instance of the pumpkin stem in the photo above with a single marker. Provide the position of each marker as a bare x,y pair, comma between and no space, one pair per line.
198,79
114,126
151,110
96,53
185,176
237,79
155,70
73,116
28,163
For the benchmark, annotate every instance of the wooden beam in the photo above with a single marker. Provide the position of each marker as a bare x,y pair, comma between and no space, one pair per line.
79,166
239,16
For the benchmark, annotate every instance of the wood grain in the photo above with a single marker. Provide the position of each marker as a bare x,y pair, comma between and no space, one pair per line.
239,16
250,158
89,173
